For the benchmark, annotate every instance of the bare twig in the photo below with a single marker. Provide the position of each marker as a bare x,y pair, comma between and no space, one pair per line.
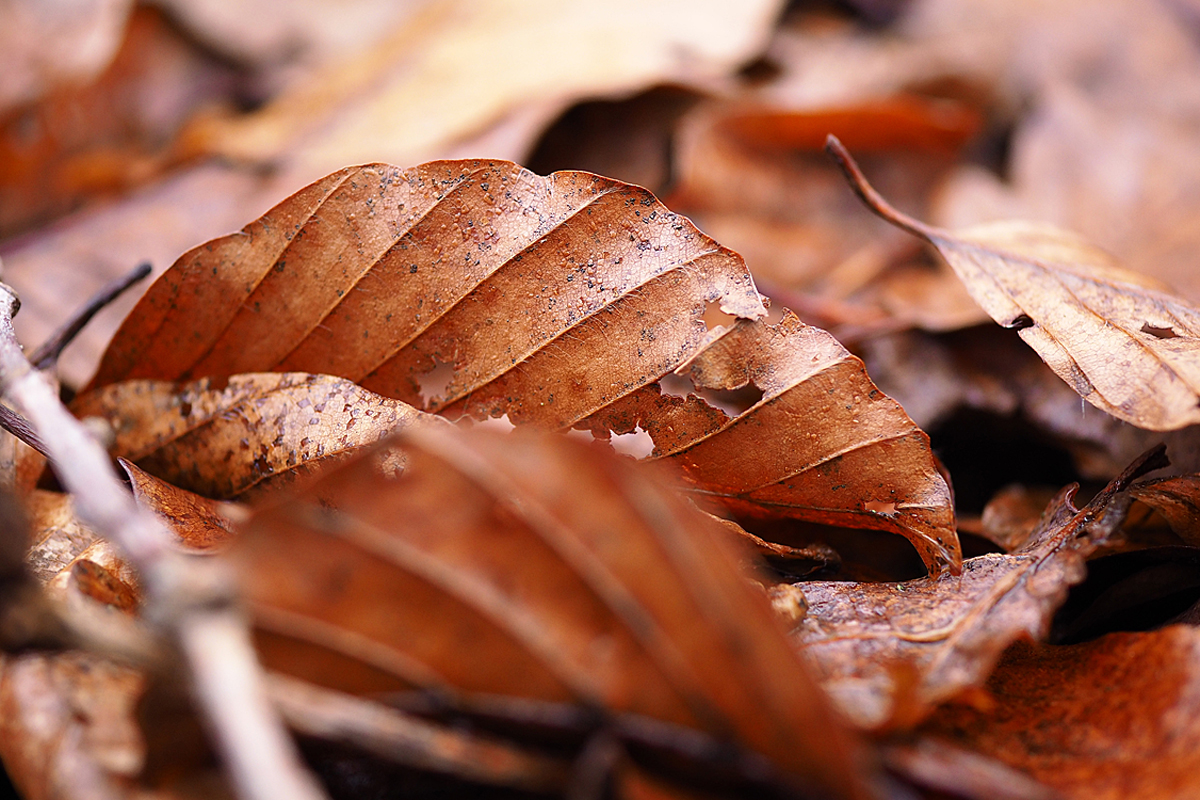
19,427
46,355
407,739
191,601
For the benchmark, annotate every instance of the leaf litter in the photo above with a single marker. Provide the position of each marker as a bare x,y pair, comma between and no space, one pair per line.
1056,125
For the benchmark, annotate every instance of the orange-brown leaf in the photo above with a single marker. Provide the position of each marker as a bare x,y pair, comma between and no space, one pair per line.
535,568
253,433
479,288
892,652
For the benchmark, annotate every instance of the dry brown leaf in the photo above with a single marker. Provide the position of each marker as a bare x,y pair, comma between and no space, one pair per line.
201,524
527,552
256,433
755,177
478,288
1112,718
1177,499
83,143
1119,339
460,67
889,653
66,720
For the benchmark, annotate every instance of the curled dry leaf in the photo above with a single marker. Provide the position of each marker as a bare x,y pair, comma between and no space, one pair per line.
479,288
889,653
1120,339
201,523
1177,499
251,435
528,553
1112,718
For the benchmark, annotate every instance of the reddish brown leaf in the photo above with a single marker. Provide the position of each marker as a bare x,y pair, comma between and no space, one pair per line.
200,523
478,288
254,433
1121,340
528,553
1177,500
1113,718
892,652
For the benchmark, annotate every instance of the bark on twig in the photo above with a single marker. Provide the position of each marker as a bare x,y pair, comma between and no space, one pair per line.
192,602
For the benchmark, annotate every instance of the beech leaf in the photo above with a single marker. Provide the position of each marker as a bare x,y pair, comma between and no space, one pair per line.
478,288
1120,339
565,573
253,433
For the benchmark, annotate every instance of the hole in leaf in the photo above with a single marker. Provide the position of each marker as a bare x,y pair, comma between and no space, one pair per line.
1020,323
637,443
714,317
500,423
676,385
733,402
1159,333
880,507
582,436
434,382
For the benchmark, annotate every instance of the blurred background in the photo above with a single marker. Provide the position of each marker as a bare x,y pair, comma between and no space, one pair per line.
135,131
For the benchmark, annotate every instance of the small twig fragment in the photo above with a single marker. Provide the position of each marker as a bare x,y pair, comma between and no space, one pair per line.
47,355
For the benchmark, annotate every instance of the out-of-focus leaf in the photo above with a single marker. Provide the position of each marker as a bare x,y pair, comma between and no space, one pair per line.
478,288
255,433
458,68
889,653
567,575
1112,718
1119,339
51,163
66,720
46,45
754,176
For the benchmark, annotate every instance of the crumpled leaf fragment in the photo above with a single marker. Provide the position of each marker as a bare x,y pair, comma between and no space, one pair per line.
1121,340
886,651
252,435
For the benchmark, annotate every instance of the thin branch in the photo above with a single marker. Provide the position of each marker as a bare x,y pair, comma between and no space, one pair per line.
19,427
47,355
191,601
406,739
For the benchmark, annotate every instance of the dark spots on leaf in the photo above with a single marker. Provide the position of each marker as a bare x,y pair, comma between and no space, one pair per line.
1020,323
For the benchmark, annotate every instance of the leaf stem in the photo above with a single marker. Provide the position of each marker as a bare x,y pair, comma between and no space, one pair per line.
866,192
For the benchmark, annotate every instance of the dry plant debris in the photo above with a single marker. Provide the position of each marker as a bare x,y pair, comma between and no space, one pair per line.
448,476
